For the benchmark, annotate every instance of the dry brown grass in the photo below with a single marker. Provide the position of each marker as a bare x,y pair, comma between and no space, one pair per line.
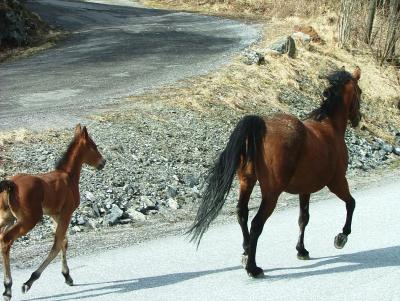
256,89
250,8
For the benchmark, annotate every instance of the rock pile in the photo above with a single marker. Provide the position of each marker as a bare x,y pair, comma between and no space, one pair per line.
157,166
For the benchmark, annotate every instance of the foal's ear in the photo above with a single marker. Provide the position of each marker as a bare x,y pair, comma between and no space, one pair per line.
78,129
85,133
357,73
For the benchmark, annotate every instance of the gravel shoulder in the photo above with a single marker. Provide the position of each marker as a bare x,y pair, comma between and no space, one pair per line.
157,156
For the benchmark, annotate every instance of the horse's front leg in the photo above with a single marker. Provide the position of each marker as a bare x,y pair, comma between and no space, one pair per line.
341,189
304,217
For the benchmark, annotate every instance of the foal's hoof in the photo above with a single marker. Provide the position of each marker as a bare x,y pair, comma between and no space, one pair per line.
6,297
25,288
68,279
304,255
244,260
340,241
256,273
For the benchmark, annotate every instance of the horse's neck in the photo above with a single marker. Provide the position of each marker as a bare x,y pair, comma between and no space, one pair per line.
339,121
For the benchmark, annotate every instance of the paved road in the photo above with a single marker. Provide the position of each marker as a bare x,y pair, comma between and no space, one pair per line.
113,51
368,268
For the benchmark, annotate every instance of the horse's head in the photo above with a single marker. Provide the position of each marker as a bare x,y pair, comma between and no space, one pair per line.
352,98
89,152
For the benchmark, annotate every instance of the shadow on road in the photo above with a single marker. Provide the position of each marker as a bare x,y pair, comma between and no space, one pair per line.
378,258
126,286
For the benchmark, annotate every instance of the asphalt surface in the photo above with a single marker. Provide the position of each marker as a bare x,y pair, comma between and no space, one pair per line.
114,50
368,268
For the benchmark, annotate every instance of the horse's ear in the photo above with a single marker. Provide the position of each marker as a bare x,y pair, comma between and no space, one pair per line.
85,133
357,73
343,68
78,129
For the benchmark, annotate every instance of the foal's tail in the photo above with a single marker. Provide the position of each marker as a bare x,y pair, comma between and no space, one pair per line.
9,187
244,142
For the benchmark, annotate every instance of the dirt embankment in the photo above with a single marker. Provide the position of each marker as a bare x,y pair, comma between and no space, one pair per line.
23,32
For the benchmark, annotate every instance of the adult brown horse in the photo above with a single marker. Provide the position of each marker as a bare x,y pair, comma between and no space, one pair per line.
285,154
26,198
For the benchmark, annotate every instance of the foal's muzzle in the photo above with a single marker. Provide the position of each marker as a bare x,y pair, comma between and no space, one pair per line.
101,164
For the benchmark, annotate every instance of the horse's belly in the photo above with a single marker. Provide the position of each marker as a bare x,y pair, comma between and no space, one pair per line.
309,182
304,188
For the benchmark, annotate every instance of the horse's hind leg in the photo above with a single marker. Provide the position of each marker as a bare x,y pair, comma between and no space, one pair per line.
341,189
304,217
247,180
62,226
7,237
268,204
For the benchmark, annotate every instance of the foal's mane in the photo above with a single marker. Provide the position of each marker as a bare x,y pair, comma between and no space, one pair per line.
64,158
332,98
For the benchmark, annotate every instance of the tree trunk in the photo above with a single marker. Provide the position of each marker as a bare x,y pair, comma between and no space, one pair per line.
394,19
370,20
345,21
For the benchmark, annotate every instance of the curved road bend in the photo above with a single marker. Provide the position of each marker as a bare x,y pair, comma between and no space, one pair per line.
114,50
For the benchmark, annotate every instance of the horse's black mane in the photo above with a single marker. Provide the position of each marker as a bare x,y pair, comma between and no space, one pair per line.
332,95
64,158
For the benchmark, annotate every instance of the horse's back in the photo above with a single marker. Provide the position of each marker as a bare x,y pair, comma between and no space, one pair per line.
283,144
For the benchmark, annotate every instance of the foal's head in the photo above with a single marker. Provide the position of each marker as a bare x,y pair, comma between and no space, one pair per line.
88,149
352,97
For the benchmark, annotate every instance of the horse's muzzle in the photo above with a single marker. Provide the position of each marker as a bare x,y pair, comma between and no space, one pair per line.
356,121
101,164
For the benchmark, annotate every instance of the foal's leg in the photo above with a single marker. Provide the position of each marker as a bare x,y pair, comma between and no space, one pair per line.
341,189
247,183
7,237
304,217
64,247
61,230
65,268
267,206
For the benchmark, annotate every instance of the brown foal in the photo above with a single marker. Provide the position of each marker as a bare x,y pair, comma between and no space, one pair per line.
285,154
24,199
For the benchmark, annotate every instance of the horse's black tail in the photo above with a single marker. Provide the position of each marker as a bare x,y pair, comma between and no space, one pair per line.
245,140
9,187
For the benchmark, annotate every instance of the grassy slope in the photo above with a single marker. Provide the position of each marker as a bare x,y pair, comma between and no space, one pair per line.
278,84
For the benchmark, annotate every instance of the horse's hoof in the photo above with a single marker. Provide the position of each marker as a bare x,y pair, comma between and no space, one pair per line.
244,260
340,241
25,288
303,256
68,279
256,273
